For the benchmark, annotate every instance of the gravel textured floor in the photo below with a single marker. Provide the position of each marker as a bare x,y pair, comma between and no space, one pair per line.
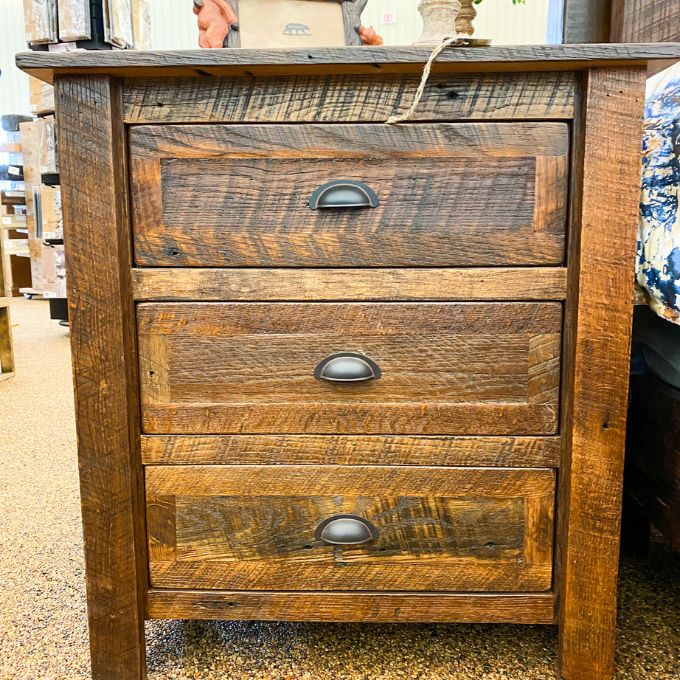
42,606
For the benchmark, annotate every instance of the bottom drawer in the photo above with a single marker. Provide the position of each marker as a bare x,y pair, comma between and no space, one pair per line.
322,527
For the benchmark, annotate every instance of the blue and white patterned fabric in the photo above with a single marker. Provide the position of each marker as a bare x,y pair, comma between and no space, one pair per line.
658,262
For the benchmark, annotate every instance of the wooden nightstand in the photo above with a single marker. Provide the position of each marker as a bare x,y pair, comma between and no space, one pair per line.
328,369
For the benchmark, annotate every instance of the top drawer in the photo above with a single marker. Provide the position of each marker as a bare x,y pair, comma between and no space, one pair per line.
450,195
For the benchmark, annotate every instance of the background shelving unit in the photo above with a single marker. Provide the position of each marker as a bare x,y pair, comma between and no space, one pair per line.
13,223
63,25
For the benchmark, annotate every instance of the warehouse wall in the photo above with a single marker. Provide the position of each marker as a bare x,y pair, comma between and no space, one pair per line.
173,25
13,83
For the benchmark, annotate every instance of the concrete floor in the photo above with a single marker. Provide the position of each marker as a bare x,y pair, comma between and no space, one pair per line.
43,625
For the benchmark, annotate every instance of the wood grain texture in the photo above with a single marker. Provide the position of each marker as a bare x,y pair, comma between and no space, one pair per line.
653,454
528,608
654,503
351,15
351,450
198,198
599,336
326,480
253,528
350,99
645,21
96,231
213,368
654,431
362,60
587,21
493,284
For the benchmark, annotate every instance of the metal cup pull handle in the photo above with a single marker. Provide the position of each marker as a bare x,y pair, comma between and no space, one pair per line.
343,193
347,367
346,530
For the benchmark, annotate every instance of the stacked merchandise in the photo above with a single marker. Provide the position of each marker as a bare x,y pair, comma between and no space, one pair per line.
64,25
13,222
87,24
43,210
68,25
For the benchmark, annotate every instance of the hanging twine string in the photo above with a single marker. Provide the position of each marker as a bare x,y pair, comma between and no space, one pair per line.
393,120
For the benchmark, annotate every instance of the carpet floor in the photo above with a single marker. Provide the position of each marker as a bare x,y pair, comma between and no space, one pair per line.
43,627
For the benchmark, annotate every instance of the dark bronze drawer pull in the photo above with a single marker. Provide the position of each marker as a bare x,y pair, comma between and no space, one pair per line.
344,193
347,367
346,530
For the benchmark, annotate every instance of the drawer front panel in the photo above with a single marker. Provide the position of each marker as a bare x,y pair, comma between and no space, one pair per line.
471,194
446,368
258,528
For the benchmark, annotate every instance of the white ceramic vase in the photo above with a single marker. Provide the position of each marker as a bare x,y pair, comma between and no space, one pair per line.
439,20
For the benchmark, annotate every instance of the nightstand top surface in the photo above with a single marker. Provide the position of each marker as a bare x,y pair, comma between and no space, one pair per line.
358,60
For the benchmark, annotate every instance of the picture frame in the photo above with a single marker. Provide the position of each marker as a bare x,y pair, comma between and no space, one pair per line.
326,23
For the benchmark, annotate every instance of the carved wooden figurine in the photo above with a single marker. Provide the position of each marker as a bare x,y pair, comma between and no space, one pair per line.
215,19
369,36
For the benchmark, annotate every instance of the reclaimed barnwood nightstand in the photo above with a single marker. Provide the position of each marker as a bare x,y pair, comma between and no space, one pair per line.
328,369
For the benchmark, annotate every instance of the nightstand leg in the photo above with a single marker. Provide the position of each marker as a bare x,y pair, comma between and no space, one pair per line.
101,311
607,139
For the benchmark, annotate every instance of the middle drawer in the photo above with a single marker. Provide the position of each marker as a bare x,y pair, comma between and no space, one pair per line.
444,368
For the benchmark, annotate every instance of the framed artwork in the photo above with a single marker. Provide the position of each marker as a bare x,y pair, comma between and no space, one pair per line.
282,23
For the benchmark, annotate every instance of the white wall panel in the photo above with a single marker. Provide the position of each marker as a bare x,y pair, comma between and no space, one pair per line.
173,25
13,83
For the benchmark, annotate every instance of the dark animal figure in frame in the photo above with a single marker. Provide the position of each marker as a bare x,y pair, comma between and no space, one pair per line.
296,29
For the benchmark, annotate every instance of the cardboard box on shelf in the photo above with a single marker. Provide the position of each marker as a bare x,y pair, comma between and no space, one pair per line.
51,215
41,97
54,273
38,266
74,20
17,272
40,21
49,160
